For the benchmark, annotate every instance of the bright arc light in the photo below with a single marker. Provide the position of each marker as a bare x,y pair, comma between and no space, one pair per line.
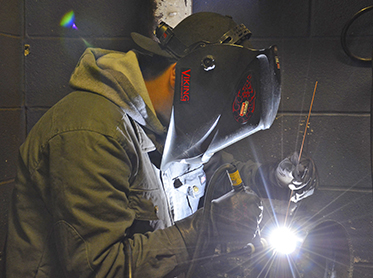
283,240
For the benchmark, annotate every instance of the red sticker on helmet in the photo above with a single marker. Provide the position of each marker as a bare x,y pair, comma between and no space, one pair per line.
185,85
244,102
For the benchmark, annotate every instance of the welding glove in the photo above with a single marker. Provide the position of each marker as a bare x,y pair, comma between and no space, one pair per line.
234,218
300,176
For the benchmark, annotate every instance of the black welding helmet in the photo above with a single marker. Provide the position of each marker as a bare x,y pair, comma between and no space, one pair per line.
224,90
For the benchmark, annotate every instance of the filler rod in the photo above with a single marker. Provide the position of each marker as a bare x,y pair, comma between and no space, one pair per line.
308,119
301,147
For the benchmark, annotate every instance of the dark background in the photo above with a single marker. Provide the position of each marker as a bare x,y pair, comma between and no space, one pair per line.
37,57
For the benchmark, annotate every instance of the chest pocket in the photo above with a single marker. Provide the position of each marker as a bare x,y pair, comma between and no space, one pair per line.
142,202
192,183
146,196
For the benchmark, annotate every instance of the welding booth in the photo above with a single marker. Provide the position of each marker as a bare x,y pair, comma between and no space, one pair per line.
330,234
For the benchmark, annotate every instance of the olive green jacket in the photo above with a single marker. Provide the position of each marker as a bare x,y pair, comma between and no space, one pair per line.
85,182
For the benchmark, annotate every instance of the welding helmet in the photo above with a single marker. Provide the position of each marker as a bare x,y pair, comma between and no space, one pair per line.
224,89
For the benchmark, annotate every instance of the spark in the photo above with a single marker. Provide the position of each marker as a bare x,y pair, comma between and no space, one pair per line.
337,198
295,262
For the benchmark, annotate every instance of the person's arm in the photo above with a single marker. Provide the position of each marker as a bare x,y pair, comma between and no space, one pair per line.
90,176
247,169
260,178
279,180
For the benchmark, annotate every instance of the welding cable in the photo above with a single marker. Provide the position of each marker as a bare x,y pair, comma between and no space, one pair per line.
205,218
128,259
344,37
206,215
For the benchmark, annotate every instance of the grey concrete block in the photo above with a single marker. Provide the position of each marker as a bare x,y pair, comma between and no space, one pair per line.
50,63
93,18
33,116
11,17
11,69
329,17
342,86
5,196
267,18
12,134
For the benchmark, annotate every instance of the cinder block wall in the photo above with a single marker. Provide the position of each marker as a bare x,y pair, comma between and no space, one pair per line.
307,33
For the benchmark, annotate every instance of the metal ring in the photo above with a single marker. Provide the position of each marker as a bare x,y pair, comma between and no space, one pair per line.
344,35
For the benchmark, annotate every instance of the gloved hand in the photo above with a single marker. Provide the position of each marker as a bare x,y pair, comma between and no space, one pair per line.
298,176
234,217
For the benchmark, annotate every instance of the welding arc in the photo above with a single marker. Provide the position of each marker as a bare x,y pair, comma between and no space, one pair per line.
301,147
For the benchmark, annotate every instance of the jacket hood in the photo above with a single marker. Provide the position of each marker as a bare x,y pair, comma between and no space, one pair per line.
117,76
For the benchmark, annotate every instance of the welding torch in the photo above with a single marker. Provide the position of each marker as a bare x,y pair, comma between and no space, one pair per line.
235,217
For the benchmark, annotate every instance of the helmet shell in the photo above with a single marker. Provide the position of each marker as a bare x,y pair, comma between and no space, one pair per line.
223,93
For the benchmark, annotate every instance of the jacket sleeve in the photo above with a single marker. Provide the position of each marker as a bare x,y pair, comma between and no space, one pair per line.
259,177
90,176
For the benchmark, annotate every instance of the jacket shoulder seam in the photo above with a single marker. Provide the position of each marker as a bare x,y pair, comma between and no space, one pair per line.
43,146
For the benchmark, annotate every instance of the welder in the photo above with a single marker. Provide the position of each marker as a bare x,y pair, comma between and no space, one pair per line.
109,180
